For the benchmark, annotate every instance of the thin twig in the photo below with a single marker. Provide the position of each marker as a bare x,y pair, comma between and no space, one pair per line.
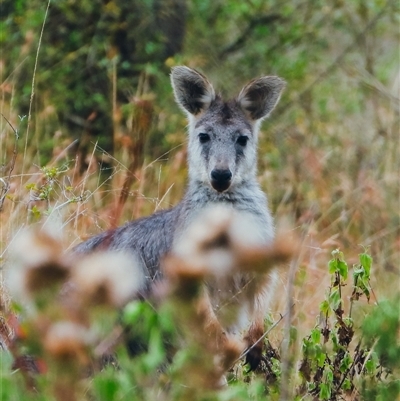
107,345
159,202
373,292
63,152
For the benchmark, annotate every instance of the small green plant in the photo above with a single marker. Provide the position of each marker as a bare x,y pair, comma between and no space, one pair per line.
340,359
52,186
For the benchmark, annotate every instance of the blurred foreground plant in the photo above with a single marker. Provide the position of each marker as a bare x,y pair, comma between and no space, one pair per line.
71,329
69,306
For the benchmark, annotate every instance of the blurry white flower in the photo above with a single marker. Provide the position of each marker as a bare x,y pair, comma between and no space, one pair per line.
213,241
34,264
108,278
66,339
31,248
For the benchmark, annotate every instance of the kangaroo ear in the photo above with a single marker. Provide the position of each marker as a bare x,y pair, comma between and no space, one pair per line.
259,97
193,92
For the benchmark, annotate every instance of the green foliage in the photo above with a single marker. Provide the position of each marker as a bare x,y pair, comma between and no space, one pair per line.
332,365
381,327
361,277
338,266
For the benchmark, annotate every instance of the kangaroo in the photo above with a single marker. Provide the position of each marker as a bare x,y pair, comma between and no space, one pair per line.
222,162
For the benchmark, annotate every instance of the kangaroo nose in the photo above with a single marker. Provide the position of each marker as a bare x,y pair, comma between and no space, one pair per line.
221,179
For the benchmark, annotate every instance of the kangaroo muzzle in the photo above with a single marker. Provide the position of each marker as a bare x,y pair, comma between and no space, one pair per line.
221,179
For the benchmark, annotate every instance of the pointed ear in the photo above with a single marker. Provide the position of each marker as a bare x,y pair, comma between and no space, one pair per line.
259,97
193,92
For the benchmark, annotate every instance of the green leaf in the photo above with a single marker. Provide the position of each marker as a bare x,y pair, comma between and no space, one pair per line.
35,212
370,366
366,263
333,266
156,353
106,388
337,264
345,363
343,269
357,270
307,346
334,299
316,336
328,374
321,357
310,386
346,384
324,391
334,339
324,307
132,312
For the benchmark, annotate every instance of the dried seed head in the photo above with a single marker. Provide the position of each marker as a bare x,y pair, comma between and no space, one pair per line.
45,275
214,242
31,248
206,245
35,264
108,278
68,340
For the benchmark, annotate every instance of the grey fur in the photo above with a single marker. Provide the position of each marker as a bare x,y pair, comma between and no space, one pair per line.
224,124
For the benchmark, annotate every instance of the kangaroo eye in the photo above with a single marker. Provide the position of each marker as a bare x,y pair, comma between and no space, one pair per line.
242,140
203,138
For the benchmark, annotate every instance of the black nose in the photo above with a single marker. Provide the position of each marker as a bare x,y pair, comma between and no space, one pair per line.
221,179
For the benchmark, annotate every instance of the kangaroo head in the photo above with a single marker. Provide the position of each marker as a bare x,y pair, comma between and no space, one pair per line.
223,135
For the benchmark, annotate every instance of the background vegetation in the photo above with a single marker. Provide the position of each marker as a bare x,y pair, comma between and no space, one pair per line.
91,137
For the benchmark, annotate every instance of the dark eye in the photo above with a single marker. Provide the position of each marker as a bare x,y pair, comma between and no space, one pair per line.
242,140
203,138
